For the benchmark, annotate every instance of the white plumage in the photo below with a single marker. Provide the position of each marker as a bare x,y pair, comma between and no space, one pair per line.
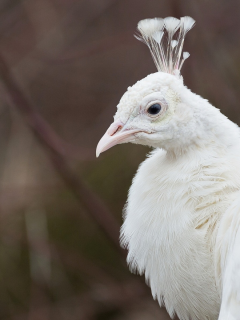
182,218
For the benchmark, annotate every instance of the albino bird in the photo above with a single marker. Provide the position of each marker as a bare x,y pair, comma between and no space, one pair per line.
182,218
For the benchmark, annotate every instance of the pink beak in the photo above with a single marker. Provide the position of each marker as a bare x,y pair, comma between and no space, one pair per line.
115,134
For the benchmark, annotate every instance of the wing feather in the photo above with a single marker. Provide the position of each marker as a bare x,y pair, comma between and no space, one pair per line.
228,251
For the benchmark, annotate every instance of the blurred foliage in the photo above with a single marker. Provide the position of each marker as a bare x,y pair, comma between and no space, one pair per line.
74,59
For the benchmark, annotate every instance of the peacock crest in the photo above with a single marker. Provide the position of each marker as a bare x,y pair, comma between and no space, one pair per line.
165,39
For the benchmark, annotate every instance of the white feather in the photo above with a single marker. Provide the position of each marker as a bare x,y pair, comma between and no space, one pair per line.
157,36
174,43
186,55
148,27
166,54
182,218
171,24
188,23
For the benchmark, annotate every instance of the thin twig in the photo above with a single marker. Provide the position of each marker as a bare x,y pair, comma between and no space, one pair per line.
88,199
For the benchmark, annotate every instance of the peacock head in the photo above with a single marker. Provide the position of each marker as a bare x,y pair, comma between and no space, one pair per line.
155,110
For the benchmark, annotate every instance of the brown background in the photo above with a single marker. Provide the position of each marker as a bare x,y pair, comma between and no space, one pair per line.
69,62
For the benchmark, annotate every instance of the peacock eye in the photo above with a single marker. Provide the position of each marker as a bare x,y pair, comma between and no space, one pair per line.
154,109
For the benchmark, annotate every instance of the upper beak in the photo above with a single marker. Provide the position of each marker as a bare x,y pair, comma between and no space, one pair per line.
115,134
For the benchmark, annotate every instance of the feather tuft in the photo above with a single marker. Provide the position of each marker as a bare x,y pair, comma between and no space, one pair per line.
174,43
186,55
148,27
188,23
158,34
171,24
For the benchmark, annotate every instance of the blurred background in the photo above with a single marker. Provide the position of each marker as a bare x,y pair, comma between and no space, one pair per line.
64,65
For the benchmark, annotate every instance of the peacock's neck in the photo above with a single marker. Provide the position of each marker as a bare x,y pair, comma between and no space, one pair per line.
164,233
172,197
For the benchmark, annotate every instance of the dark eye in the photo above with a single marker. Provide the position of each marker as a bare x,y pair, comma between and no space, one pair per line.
154,109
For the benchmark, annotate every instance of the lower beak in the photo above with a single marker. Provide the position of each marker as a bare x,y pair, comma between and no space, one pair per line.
115,134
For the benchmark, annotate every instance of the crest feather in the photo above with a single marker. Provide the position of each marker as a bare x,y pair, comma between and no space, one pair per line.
148,27
174,43
171,24
158,33
188,23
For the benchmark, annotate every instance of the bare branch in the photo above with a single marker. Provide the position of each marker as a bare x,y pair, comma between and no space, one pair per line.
88,199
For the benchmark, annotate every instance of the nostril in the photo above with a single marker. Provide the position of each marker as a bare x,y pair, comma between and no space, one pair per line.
114,128
118,129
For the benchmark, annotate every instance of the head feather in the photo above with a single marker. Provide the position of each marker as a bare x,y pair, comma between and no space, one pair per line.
148,27
171,24
158,33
